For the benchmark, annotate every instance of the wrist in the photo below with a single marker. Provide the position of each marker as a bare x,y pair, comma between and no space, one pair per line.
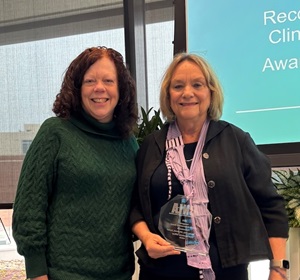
284,264
280,271
145,236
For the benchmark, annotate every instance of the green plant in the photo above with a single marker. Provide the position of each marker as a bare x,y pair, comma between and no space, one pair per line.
148,124
287,183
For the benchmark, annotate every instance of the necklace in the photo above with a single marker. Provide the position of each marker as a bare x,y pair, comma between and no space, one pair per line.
189,160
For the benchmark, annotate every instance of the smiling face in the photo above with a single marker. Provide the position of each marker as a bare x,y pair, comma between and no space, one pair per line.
99,90
189,95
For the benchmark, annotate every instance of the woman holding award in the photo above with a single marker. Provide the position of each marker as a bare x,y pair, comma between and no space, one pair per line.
233,209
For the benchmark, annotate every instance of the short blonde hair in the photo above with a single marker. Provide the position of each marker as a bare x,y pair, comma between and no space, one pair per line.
217,98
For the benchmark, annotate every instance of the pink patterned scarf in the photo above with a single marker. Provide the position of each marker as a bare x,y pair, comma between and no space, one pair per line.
195,189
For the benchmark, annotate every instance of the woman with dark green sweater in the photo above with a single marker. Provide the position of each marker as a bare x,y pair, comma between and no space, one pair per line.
73,197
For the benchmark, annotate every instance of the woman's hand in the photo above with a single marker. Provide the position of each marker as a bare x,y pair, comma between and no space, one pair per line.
157,247
280,274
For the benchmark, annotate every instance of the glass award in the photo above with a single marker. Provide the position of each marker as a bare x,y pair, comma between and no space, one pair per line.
177,224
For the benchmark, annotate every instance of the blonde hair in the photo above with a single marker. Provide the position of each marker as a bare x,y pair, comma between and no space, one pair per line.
217,98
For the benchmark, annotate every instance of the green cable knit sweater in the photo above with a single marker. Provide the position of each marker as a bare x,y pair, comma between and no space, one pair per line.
73,199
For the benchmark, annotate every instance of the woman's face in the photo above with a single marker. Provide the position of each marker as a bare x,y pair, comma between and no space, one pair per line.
99,90
189,95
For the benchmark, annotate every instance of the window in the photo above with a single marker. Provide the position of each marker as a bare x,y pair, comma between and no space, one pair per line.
37,43
38,47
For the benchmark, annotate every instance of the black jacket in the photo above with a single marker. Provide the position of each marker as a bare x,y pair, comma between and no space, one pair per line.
245,205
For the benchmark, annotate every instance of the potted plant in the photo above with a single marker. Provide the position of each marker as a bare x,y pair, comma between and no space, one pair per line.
148,124
287,183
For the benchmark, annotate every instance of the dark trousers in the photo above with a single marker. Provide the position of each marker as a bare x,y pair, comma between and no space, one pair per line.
239,272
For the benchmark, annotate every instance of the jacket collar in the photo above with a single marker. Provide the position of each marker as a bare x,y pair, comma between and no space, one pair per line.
215,127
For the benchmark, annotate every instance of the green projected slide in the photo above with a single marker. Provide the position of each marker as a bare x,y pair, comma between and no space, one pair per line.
254,47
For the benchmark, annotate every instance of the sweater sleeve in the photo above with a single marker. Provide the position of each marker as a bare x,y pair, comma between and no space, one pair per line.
258,177
31,202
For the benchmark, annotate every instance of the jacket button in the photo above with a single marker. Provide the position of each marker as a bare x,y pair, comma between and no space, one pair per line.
211,184
206,155
217,220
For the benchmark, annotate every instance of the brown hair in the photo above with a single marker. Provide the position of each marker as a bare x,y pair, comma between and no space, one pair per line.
217,98
68,100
